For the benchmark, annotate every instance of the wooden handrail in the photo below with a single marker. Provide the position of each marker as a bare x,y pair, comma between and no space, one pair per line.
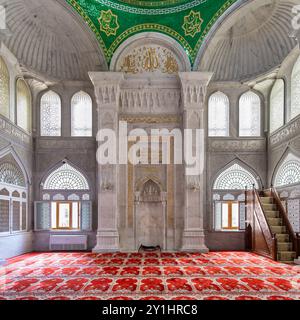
283,215
256,209
268,234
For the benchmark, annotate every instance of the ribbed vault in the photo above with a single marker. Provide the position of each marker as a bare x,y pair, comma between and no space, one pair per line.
251,41
51,40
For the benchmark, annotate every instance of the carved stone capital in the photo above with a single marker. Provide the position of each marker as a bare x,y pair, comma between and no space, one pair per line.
107,88
194,87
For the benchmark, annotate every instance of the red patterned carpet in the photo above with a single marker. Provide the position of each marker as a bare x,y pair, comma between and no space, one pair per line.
171,276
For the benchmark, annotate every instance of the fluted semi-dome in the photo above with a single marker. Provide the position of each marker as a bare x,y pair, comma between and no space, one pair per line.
49,39
251,41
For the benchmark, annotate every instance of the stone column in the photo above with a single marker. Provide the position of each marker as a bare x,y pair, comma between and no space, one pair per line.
194,87
107,91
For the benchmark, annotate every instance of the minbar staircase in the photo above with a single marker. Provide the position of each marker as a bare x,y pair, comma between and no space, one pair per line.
269,231
285,251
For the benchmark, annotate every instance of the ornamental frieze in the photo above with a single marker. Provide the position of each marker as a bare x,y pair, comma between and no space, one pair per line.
13,131
237,145
149,100
286,133
151,119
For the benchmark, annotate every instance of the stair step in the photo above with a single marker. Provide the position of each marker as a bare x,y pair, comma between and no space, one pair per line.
282,237
272,214
278,229
266,200
284,246
275,221
286,255
287,262
269,207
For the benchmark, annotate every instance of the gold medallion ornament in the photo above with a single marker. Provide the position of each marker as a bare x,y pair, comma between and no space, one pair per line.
108,23
192,23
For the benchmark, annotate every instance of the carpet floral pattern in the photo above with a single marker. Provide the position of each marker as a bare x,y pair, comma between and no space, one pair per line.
149,276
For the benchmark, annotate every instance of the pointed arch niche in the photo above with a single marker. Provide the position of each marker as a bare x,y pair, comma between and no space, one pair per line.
288,172
150,214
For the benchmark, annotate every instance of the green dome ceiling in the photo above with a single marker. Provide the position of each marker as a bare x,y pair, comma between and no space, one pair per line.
186,21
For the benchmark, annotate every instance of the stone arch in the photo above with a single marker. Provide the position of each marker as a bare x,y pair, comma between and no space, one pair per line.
246,174
142,182
287,171
65,176
10,156
170,51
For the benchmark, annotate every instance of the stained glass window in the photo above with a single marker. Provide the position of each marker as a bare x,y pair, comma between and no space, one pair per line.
50,114
277,105
249,115
288,172
295,90
4,89
218,115
11,174
66,177
235,178
81,110
23,105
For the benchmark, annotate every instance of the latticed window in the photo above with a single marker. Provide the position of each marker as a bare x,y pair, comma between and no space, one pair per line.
249,115
218,115
289,172
66,177
11,174
295,90
23,105
277,105
4,89
13,198
235,178
50,114
81,110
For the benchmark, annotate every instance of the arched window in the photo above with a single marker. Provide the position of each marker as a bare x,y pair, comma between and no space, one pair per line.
235,178
277,105
11,174
218,115
81,110
13,196
4,89
66,177
295,90
289,172
63,190
249,115
50,114
23,105
229,198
